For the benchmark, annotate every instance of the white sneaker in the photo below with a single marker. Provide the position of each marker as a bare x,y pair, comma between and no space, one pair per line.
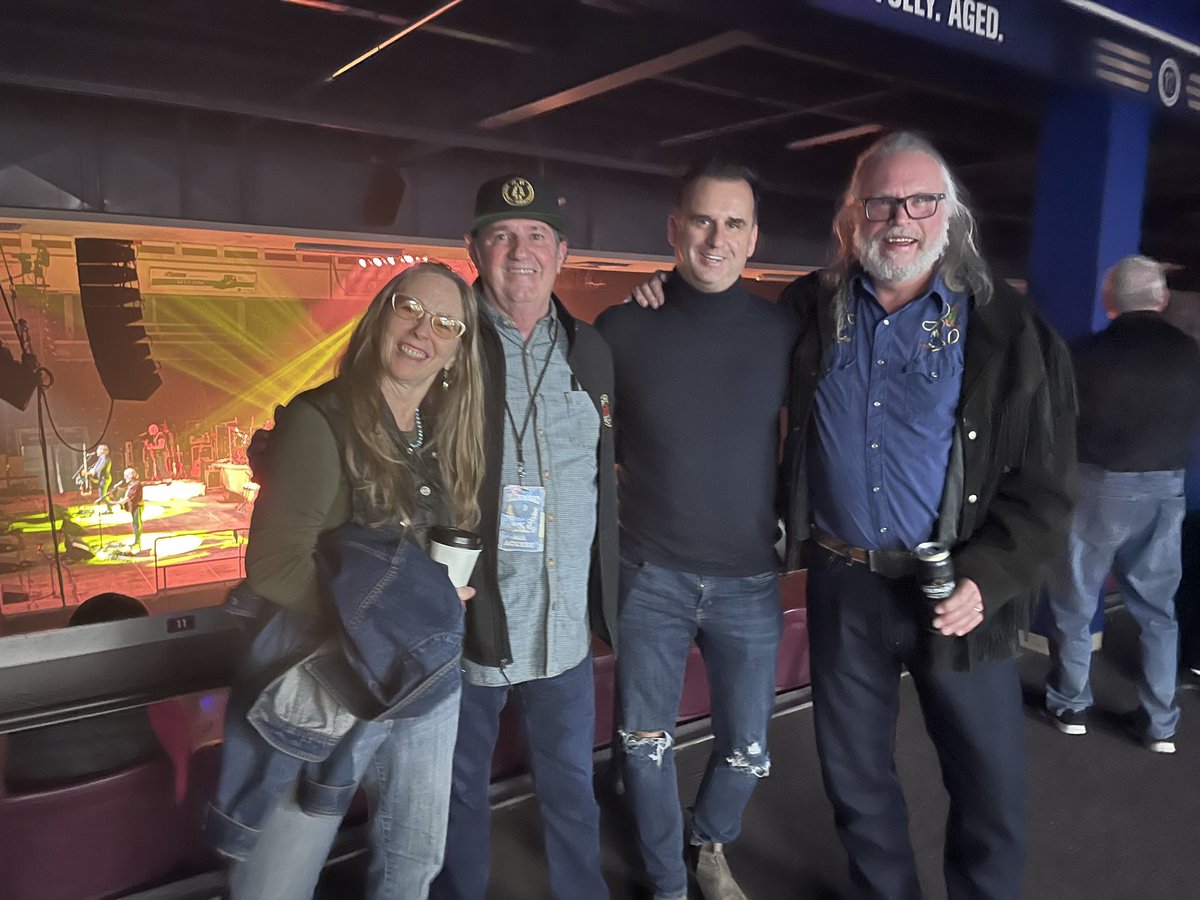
1161,745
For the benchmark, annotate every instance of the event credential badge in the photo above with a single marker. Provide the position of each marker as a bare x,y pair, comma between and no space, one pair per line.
523,518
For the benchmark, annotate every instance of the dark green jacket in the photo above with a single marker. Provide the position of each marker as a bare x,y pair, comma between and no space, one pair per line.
1006,506
305,492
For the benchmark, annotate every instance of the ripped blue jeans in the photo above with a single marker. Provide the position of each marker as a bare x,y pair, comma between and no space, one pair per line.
736,624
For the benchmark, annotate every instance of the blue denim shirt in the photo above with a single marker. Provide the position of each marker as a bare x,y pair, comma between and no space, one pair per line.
308,693
884,420
545,594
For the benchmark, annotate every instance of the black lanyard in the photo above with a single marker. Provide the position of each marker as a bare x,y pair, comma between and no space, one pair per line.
519,434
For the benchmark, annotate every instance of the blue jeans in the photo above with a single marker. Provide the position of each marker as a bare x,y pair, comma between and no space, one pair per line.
404,765
862,629
558,717
1131,523
736,623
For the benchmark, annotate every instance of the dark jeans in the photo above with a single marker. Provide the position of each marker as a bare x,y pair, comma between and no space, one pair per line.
558,717
863,628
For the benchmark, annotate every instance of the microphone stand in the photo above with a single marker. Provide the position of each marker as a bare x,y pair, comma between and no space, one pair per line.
41,390
44,380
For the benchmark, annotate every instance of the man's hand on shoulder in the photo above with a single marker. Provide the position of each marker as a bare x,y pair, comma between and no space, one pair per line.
650,294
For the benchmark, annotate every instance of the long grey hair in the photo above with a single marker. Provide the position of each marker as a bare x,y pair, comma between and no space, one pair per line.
962,267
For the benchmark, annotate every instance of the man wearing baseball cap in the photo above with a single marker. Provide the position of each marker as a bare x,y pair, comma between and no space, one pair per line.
548,572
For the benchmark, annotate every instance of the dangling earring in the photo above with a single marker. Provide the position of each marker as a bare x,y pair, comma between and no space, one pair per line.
446,378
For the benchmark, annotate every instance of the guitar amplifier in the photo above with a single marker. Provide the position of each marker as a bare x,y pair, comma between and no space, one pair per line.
212,479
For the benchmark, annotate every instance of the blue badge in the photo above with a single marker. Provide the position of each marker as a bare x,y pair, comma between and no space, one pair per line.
523,518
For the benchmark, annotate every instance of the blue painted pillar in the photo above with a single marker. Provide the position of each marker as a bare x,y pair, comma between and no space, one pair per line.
1087,214
1091,181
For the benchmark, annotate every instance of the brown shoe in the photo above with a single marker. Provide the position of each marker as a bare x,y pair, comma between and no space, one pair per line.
713,875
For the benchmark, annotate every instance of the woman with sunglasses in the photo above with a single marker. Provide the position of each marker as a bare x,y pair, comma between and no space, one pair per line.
393,442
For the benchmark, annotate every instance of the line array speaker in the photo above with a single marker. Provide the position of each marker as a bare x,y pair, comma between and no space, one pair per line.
17,381
112,312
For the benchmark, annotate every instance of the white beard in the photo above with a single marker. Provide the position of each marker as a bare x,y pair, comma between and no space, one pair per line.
881,268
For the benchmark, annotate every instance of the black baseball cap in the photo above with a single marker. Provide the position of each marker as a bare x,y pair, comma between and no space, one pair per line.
517,196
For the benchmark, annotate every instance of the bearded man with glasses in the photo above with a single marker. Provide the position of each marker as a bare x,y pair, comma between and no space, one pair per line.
930,402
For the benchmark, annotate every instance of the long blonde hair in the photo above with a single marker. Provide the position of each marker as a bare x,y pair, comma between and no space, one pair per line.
381,482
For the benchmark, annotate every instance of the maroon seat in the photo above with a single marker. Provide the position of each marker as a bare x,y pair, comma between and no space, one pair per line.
93,839
606,699
169,719
792,670
204,769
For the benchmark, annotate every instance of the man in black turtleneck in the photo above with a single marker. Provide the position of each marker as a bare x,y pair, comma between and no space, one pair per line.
699,386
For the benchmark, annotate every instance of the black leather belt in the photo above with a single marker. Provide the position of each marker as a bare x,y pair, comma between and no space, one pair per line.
888,563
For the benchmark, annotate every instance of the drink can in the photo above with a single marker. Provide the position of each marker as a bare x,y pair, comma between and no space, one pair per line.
935,570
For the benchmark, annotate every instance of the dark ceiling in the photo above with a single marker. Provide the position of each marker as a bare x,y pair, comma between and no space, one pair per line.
617,85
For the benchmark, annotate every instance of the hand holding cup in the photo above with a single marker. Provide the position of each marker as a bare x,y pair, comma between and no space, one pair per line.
457,550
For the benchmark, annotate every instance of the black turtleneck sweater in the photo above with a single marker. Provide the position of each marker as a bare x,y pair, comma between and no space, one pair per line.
699,387
1139,395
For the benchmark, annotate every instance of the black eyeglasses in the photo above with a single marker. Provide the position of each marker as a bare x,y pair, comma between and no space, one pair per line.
447,328
918,206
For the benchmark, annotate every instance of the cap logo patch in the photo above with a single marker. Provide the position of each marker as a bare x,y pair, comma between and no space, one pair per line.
517,192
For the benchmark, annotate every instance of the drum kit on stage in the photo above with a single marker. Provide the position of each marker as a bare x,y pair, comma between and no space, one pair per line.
222,454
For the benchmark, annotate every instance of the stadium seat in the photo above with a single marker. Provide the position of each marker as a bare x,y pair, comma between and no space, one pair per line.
792,670
97,838
169,719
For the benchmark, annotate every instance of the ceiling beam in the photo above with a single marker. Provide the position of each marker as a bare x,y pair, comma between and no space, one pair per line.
834,137
403,32
749,124
676,59
859,70
731,94
457,34
369,125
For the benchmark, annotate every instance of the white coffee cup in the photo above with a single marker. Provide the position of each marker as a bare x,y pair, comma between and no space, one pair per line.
455,549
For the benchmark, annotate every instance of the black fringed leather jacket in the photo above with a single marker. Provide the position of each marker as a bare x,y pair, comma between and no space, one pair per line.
1006,505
